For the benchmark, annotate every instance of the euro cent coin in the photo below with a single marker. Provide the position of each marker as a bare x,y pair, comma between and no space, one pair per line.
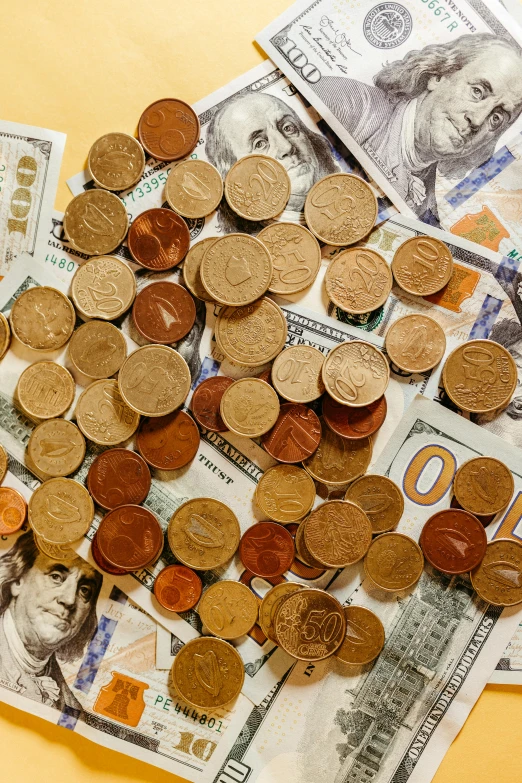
192,269
60,552
267,549
103,416
296,373
43,318
453,541
118,477
4,463
164,312
381,500
5,335
337,533
257,187
480,376
394,562
206,403
95,222
116,161
177,588
354,423
364,637
45,390
251,335
204,533
228,609
310,624
97,349
356,373
285,493
168,129
208,673
295,435
103,288
295,254
303,553
158,239
337,460
249,407
340,209
56,447
236,270
358,280
270,605
422,265
168,442
13,510
194,188
102,563
483,485
154,380
498,578
415,343
130,537
61,511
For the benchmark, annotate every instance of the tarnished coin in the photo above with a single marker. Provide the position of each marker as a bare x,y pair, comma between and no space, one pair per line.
4,463
164,312
422,265
194,188
168,442
102,563
453,541
168,129
208,673
95,222
354,423
310,624
177,588
206,403
257,187
296,373
192,269
154,380
358,280
340,209
338,460
130,537
158,239
103,288
394,562
270,605
249,407
13,510
5,335
285,493
61,511
45,390
103,416
97,349
118,477
480,376
364,638
204,533
483,485
337,533
498,579
295,435
236,270
60,552
302,551
228,609
356,373
251,335
295,254
267,549
116,161
56,447
415,343
43,318
381,500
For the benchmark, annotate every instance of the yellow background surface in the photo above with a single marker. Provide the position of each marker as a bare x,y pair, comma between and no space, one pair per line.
86,67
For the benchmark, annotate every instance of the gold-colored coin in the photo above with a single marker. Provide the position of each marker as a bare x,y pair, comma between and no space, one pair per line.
56,447
302,550
154,380
337,461
296,373
103,287
358,280
249,407
480,376
194,188
270,605
364,638
236,270
208,673
295,254
103,416
394,562
415,343
498,579
4,463
356,373
5,335
95,222
483,486
341,209
310,624
285,493
257,187
381,500
204,533
422,265
228,609
97,349
192,269
59,552
45,390
61,511
337,533
252,335
43,318
116,161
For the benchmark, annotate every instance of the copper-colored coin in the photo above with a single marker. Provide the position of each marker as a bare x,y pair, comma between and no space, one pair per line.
5,334
164,312
381,500
168,442
194,188
168,129
249,407
394,562
356,373
228,609
303,553
97,349
13,510
415,343
337,460
236,270
270,605
116,161
158,239
251,335
95,222
295,435
285,493
354,423
56,447
310,624
130,537
498,579
364,638
480,376
483,485
103,416
358,280
154,380
340,209
296,257
4,463
192,269
453,541
337,533
118,477
103,287
296,373
266,376
177,588
206,402
45,390
102,563
257,187
204,533
422,265
42,318
208,673
267,549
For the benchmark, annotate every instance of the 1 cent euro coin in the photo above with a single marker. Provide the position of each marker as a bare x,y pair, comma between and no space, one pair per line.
364,637
295,254
208,673
43,318
116,161
130,537
337,533
356,373
453,541
422,265
118,477
168,442
228,609
13,510
354,423
480,376
61,511
296,373
483,485
154,380
206,402
236,270
337,460
103,416
45,390
97,349
295,435
415,343
192,269
168,129
358,280
158,239
164,312
394,562
285,493
498,578
177,588
95,222
5,335
310,624
204,533
251,335
56,447
267,549
257,187
103,288
249,407
194,188
381,500
270,605
341,209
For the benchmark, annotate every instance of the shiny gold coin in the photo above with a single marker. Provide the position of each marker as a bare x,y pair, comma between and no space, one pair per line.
422,265
204,533
95,222
5,335
208,673
116,161
394,562
252,335
43,318
310,624
154,380
302,550
97,349
415,343
285,493
498,579
60,552
340,209
61,511
270,605
103,288
480,376
192,269
56,447
249,407
355,373
45,390
364,638
257,187
4,463
483,486
194,188
103,416
381,500
358,280
295,254
337,533
337,460
228,609
296,373
236,270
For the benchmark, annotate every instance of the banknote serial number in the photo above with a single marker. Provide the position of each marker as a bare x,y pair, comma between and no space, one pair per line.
62,263
181,709
440,11
143,190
